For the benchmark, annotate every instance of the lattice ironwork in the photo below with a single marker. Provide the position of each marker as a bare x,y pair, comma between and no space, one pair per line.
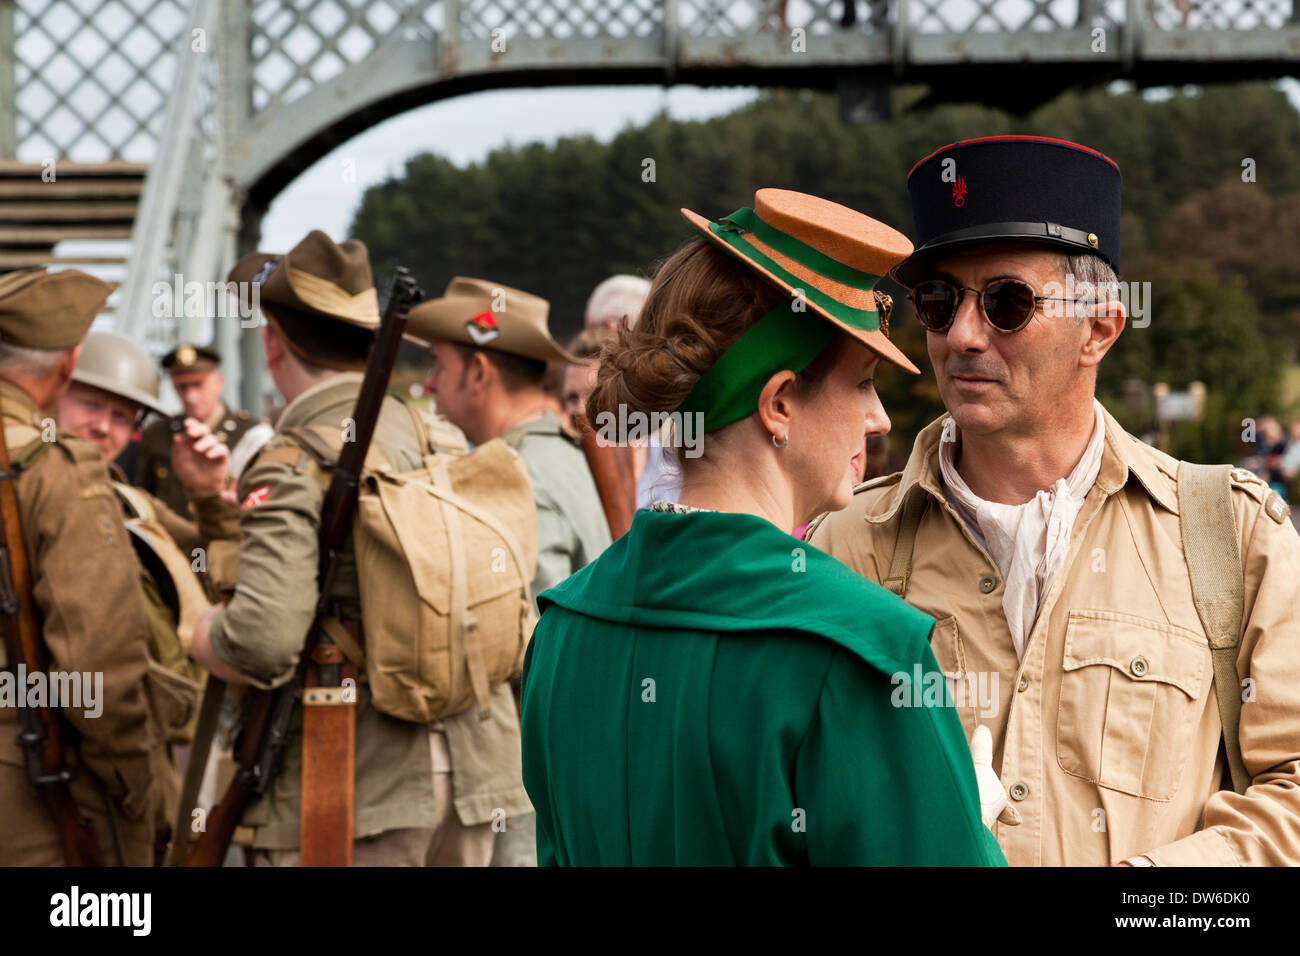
1220,14
92,77
559,19
298,44
724,18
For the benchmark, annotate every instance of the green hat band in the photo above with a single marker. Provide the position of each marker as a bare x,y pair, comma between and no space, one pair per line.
730,230
782,339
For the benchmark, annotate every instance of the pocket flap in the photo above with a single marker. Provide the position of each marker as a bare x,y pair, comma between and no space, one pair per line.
1144,650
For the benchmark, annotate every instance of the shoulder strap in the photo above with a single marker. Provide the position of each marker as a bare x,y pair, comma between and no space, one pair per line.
435,436
135,500
513,437
1218,588
900,565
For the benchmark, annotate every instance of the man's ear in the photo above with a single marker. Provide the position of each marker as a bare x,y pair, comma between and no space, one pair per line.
775,408
1105,321
63,370
482,372
271,345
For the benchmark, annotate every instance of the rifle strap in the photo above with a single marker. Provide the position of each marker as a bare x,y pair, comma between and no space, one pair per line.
1218,589
209,717
328,759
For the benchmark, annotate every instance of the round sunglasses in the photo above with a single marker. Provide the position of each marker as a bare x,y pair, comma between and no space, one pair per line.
1007,304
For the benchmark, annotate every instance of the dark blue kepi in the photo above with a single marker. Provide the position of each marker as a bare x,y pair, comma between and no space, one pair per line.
1027,188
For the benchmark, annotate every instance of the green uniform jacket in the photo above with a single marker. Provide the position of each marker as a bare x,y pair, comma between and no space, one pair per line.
712,691
571,525
153,468
261,631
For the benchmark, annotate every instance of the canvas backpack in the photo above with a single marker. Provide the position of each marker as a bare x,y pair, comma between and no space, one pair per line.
444,555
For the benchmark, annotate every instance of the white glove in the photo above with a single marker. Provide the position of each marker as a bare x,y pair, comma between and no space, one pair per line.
993,798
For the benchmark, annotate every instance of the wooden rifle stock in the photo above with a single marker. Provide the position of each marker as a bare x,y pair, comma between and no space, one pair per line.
265,733
615,476
41,735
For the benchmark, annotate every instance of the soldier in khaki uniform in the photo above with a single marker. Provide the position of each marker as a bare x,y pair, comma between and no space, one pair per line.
490,347
424,795
197,378
73,531
114,384
1049,543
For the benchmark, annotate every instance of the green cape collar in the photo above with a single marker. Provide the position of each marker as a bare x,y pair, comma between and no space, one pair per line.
726,572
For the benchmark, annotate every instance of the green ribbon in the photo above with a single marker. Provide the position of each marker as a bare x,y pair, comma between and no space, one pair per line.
729,230
782,339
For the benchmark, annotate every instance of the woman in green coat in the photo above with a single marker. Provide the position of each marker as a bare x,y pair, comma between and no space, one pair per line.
711,690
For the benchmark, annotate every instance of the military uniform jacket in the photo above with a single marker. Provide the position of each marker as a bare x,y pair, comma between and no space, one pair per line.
1107,733
87,591
154,458
711,691
571,525
261,631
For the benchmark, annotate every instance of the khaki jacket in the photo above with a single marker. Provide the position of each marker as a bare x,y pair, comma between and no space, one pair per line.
1107,734
175,680
261,631
86,588
571,526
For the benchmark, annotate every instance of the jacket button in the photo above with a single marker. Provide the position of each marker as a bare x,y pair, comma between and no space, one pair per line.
1139,666
1024,684
987,584
1018,791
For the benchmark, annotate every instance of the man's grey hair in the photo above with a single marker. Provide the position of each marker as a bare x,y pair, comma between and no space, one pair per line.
616,297
30,364
1092,272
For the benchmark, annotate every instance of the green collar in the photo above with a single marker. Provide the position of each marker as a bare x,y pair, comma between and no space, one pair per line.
742,574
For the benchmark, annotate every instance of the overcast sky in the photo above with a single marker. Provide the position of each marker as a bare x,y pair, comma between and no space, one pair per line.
465,129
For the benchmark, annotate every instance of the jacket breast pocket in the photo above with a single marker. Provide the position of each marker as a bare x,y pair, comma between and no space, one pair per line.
960,684
1130,695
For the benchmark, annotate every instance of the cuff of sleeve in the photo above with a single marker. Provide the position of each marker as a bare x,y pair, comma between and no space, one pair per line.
222,647
1204,848
218,518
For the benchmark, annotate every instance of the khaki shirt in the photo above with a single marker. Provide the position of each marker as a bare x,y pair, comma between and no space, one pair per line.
261,631
1107,758
85,582
571,526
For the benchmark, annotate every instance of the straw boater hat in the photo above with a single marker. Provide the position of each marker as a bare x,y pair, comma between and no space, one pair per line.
833,255
489,315
49,310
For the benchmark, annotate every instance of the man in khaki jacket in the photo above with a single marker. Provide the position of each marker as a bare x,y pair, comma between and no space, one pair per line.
1048,543
423,794
490,345
85,587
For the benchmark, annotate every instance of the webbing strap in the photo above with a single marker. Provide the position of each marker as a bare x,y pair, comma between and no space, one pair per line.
900,565
462,620
1218,588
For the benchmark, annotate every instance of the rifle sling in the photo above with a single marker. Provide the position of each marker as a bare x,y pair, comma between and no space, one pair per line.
209,717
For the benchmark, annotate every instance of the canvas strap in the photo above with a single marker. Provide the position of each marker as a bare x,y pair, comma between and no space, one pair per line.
1218,588
462,622
900,565
329,730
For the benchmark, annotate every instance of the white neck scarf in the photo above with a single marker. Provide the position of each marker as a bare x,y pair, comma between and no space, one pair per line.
1027,542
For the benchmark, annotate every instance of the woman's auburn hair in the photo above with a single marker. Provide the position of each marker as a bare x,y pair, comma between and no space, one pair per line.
701,301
